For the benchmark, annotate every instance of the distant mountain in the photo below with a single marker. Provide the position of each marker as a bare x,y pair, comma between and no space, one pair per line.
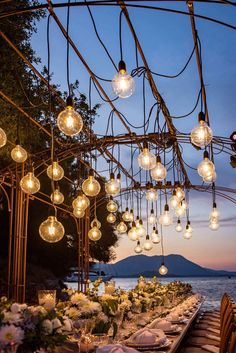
178,266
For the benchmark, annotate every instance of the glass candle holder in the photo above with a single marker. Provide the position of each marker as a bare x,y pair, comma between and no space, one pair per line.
47,298
110,287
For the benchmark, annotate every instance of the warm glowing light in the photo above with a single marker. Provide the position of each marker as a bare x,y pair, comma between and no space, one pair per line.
57,197
189,227
55,171
165,218
112,206
30,184
174,200
51,230
210,178
91,186
94,234
163,269
78,212
127,216
69,121
81,202
155,237
146,159
187,234
121,228
202,134
159,172
214,225
132,233
112,187
111,218
180,211
179,227
214,212
147,245
180,193
19,154
152,218
184,204
96,222
151,194
123,84
138,249
206,168
3,138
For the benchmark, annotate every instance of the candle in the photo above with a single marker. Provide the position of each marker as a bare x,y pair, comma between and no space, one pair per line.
47,298
110,287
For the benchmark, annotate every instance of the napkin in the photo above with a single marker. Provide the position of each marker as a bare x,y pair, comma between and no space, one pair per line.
115,348
148,336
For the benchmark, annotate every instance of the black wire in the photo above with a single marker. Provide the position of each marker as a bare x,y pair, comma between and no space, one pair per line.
68,48
105,100
120,34
194,108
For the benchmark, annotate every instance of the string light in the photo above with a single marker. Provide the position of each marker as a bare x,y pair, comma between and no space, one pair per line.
111,218
112,187
55,171
121,228
81,201
69,121
206,168
138,249
91,186
201,135
3,138
19,154
112,206
57,197
51,230
123,84
126,215
30,184
94,233
146,159
78,212
159,172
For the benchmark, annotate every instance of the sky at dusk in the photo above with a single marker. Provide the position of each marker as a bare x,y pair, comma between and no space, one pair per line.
167,42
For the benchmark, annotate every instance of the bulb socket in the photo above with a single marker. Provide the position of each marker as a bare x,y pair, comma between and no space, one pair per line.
127,209
154,228
133,224
166,207
201,117
147,237
118,176
145,144
205,154
214,205
178,221
158,159
122,67
91,172
152,211
138,243
69,102
112,176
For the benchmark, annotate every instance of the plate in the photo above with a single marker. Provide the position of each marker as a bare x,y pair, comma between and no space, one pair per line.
147,347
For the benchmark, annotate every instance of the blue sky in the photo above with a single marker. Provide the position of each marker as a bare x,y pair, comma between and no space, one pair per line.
167,42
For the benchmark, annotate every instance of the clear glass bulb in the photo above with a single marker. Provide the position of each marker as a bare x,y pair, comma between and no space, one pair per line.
51,230
180,211
57,197
147,245
155,237
3,138
55,171
180,193
78,212
151,195
112,206
132,233
165,218
112,187
81,202
214,212
214,225
126,215
179,227
30,184
187,234
121,228
174,201
111,218
152,219
141,231
163,270
70,122
146,159
210,178
123,84
206,168
184,204
159,172
94,234
19,154
138,249
95,222
201,135
91,186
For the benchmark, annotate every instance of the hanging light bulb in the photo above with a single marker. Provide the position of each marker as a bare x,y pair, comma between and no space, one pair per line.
155,237
202,134
132,233
78,212
137,222
55,171
189,229
179,227
166,218
69,121
152,218
138,249
94,233
159,172
91,186
131,216
214,225
111,218
187,233
184,204
180,211
51,230
206,168
57,197
174,200
214,212
112,187
123,84
3,138
95,222
121,228
81,201
210,178
163,269
147,245
151,194
19,154
30,184
141,230
180,193
112,205
126,215
146,159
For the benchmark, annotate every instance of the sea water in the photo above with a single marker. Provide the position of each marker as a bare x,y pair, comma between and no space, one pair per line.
212,288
